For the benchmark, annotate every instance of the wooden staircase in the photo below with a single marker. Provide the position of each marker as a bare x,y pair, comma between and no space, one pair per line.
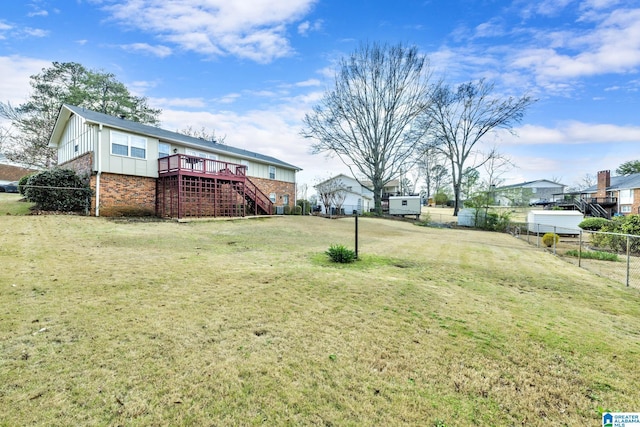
593,209
257,202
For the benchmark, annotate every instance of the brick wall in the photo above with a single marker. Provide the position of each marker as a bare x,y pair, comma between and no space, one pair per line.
125,191
268,186
83,165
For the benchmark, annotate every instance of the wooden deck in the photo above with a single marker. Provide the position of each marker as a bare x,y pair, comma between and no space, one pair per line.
190,186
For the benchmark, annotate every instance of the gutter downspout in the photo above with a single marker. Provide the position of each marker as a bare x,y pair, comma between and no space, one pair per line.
99,167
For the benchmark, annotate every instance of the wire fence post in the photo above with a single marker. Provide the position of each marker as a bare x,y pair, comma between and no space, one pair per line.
538,235
554,239
356,235
580,250
628,258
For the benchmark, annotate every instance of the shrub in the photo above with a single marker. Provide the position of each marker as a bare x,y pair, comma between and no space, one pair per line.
629,224
58,190
599,255
549,239
440,198
593,224
339,253
305,207
23,182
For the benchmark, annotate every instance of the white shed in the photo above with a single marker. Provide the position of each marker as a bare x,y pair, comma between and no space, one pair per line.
470,217
405,205
559,222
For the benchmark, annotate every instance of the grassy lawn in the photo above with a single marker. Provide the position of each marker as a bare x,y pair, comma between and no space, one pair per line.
12,204
246,323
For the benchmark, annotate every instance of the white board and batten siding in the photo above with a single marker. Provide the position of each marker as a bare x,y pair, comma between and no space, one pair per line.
559,222
77,139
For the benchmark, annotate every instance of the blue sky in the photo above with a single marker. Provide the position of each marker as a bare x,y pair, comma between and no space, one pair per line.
250,69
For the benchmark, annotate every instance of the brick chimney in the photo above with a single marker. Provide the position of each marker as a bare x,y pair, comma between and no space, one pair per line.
604,182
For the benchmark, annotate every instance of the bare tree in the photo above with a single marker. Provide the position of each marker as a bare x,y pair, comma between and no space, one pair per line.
586,181
368,119
495,167
339,196
203,133
430,163
461,117
327,191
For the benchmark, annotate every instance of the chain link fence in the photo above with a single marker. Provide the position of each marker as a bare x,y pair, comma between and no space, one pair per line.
612,255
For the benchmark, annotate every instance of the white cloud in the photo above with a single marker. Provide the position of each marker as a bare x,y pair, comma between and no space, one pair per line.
255,30
158,50
177,102
35,32
491,28
15,71
38,13
613,46
228,98
306,27
308,83
273,131
572,133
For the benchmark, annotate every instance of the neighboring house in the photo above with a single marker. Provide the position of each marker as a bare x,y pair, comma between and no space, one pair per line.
391,188
130,164
530,192
349,191
10,173
617,194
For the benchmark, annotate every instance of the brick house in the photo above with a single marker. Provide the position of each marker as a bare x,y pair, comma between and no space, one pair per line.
616,194
129,164
10,173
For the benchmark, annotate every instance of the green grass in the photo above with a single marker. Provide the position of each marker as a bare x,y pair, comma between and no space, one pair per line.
12,204
249,323
599,255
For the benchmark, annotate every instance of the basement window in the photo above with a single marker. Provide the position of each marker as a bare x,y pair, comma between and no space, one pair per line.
272,197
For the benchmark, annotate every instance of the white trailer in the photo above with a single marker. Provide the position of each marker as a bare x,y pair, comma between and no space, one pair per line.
405,205
559,222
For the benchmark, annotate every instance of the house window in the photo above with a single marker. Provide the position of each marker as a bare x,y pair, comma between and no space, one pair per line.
245,163
625,209
285,199
626,197
119,144
128,145
138,147
272,197
164,149
272,172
